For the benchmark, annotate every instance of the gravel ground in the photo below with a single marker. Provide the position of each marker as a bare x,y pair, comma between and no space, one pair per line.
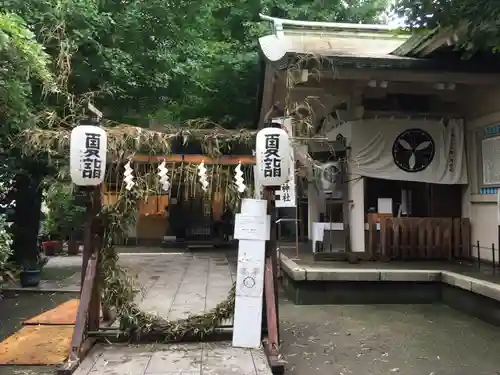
338,339
386,339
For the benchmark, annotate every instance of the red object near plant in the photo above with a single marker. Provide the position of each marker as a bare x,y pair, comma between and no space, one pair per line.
50,247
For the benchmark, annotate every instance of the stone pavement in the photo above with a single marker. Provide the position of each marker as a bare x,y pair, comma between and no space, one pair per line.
185,359
176,285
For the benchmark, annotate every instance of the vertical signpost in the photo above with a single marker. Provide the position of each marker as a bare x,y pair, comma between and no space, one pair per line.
88,149
288,191
273,170
256,280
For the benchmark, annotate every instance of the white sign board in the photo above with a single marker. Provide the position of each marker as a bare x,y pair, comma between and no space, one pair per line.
250,227
88,146
490,152
272,154
287,192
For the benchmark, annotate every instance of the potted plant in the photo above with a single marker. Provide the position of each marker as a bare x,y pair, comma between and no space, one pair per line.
51,246
30,275
65,218
73,227
5,249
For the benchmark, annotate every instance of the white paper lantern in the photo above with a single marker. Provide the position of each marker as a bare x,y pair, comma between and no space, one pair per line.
88,146
272,151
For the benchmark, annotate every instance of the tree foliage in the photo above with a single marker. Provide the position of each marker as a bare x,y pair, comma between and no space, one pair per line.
482,18
22,59
170,60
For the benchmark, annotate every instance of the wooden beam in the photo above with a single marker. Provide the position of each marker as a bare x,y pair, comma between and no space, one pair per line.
157,158
83,307
332,92
196,159
94,243
116,336
413,76
70,366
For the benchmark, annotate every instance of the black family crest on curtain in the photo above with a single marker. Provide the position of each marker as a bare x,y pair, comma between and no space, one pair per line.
413,150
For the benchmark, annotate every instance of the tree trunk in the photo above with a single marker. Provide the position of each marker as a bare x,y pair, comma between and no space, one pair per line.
26,218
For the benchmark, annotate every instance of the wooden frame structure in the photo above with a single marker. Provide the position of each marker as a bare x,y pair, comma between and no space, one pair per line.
89,328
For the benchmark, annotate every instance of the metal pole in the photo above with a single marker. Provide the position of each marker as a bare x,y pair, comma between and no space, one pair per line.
478,255
498,232
493,256
296,226
498,227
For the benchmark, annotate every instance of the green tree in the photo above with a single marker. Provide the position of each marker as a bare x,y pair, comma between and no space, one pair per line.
482,19
25,68
170,60
23,59
137,60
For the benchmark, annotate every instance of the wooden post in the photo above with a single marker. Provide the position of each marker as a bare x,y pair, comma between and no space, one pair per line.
95,242
87,235
271,285
89,250
271,310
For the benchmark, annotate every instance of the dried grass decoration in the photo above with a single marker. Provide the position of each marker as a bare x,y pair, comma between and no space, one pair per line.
118,288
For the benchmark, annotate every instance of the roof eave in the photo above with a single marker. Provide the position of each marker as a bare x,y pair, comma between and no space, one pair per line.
422,44
380,63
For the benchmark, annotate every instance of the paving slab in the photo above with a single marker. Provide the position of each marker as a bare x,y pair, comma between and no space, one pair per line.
176,286
186,359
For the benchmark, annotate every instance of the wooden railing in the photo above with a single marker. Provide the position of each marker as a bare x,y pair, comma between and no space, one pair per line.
420,239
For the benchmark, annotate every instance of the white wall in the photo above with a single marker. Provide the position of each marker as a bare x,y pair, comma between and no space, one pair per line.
483,109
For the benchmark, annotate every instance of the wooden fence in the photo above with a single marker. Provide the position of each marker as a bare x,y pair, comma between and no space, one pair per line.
420,239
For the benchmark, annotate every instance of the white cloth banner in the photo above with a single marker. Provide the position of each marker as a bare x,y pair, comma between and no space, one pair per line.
408,150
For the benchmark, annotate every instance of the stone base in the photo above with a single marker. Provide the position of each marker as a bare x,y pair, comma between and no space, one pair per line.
360,292
314,292
481,307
